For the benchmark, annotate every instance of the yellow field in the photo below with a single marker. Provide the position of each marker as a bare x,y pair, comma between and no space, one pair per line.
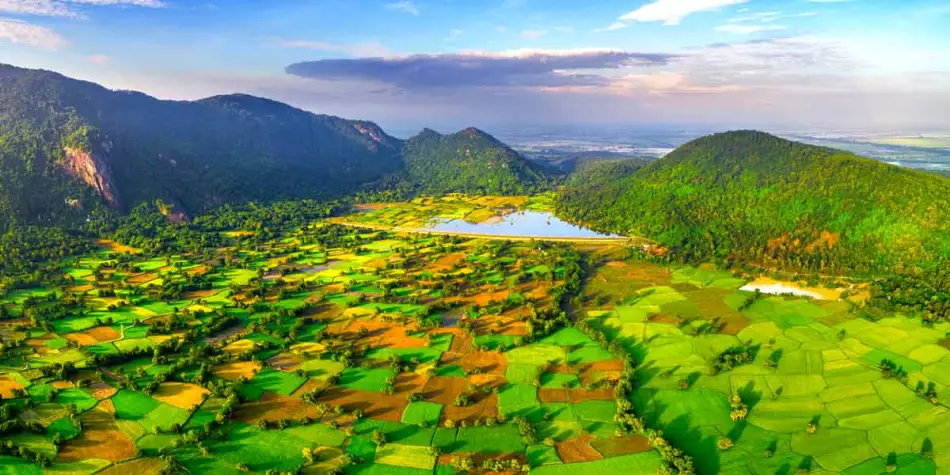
182,395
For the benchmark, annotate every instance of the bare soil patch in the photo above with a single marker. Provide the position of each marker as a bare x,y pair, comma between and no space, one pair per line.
486,362
374,405
285,361
100,438
139,279
198,294
577,449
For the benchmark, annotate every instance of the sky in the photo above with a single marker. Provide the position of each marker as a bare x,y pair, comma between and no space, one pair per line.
799,64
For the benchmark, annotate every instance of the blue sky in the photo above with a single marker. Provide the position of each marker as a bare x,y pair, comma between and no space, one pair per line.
445,63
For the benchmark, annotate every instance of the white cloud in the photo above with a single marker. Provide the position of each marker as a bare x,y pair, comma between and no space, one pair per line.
405,6
36,7
63,8
748,29
135,3
21,32
99,59
365,49
533,34
454,34
767,17
670,12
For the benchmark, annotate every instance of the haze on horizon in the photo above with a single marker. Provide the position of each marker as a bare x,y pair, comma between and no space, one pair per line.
875,64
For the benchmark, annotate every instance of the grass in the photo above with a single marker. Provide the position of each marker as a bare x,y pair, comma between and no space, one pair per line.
280,382
422,412
133,405
405,456
499,439
164,417
644,462
365,379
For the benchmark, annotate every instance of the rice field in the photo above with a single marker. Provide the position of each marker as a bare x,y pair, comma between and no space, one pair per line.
363,351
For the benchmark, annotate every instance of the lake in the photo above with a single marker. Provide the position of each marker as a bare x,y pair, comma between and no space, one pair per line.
523,224
775,287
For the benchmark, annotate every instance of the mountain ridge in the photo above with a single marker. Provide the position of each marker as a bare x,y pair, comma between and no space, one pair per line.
752,196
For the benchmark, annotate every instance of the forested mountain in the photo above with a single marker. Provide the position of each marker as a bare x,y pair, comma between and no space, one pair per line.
64,141
469,161
753,196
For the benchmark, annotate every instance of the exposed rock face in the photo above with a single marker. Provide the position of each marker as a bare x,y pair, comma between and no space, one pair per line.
93,171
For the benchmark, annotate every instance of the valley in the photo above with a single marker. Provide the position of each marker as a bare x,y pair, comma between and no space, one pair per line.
340,349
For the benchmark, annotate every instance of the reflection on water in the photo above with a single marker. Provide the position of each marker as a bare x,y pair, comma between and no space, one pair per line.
522,223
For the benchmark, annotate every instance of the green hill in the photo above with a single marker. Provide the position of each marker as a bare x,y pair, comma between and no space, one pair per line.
65,143
756,197
469,161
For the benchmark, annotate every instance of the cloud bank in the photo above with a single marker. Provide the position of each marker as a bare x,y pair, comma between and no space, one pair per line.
522,68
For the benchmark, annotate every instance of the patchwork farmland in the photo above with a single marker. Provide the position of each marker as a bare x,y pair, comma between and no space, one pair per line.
335,349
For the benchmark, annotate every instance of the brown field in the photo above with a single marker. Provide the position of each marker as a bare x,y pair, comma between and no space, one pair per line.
82,338
274,407
198,294
664,318
81,288
444,390
373,404
200,270
240,346
101,390
106,406
7,386
577,449
141,278
100,438
140,466
507,325
182,395
233,371
103,333
38,343
408,383
553,395
487,297
285,361
383,334
446,262
61,384
489,362
617,446
580,395
114,246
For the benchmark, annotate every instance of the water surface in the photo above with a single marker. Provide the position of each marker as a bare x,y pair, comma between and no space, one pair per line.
522,224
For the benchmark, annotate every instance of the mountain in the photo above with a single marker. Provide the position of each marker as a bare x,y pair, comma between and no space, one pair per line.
469,161
67,146
755,197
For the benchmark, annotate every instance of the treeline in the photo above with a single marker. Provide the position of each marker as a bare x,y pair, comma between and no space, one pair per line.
26,249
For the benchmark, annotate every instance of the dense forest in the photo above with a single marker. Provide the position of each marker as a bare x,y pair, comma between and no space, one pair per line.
759,198
132,148
71,148
469,161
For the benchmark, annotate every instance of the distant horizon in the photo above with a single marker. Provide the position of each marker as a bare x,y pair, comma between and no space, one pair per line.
789,64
